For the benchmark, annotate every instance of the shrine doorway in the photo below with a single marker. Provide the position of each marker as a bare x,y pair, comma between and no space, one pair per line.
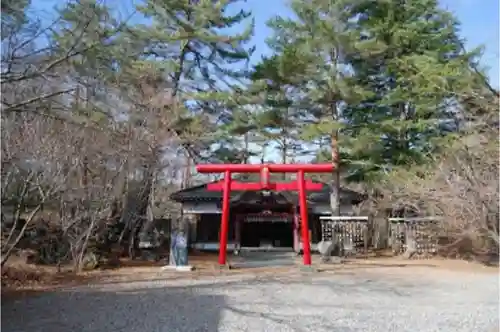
264,220
268,234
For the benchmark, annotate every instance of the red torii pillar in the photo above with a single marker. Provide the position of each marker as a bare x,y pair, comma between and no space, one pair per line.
301,185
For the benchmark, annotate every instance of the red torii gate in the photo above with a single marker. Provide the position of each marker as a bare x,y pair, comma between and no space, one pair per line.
301,185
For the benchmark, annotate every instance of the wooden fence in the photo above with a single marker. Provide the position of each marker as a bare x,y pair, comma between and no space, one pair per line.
413,237
410,237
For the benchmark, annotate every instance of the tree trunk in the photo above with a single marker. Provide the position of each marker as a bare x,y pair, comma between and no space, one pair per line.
83,249
9,251
284,153
19,207
335,193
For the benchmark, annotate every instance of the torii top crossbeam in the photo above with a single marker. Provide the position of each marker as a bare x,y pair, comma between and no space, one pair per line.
265,184
257,168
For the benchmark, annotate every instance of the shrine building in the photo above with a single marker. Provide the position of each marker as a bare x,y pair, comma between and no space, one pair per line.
258,219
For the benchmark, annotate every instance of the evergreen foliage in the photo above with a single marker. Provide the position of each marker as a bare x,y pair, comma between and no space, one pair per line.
383,89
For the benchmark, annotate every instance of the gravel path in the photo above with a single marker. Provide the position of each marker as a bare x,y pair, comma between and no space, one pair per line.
358,300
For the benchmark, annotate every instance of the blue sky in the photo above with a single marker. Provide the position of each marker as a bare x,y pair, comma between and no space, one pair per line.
479,19
479,26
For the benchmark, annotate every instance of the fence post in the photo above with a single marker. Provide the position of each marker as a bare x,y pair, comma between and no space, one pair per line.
380,232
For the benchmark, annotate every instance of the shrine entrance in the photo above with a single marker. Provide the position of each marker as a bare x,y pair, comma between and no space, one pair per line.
267,231
266,188
264,220
267,235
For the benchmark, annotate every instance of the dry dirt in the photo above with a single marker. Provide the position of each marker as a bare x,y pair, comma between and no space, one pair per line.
19,279
356,296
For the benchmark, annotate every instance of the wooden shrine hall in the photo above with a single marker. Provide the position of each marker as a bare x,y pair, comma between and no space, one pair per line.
257,219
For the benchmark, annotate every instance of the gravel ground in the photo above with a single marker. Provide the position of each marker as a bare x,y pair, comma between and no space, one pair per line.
387,299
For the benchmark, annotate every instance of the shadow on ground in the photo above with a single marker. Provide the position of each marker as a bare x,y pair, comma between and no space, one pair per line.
163,307
345,302
157,309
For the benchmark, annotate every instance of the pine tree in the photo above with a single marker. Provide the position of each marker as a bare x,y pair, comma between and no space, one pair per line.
380,78
173,78
313,46
277,120
409,54
188,43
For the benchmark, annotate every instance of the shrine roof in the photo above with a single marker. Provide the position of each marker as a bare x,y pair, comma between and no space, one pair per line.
200,193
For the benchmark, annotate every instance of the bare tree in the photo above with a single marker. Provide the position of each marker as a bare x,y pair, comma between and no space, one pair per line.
35,164
460,184
44,169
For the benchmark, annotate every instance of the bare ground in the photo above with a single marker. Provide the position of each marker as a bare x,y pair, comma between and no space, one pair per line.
361,295
19,278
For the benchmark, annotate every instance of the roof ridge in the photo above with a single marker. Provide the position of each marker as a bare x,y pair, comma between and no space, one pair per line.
199,193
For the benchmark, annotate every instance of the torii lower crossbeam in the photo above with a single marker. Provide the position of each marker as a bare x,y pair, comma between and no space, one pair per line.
301,185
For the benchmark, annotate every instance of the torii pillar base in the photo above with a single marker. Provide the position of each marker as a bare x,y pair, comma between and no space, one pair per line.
309,269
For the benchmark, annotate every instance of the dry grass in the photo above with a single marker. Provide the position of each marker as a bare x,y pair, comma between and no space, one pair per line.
19,278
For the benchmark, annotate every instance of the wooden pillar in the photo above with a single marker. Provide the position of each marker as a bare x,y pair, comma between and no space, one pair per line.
296,241
306,244
224,225
237,231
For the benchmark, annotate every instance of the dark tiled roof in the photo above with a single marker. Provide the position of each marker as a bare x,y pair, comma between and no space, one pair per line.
200,193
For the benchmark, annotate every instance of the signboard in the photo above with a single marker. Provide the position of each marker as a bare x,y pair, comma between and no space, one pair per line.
268,217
